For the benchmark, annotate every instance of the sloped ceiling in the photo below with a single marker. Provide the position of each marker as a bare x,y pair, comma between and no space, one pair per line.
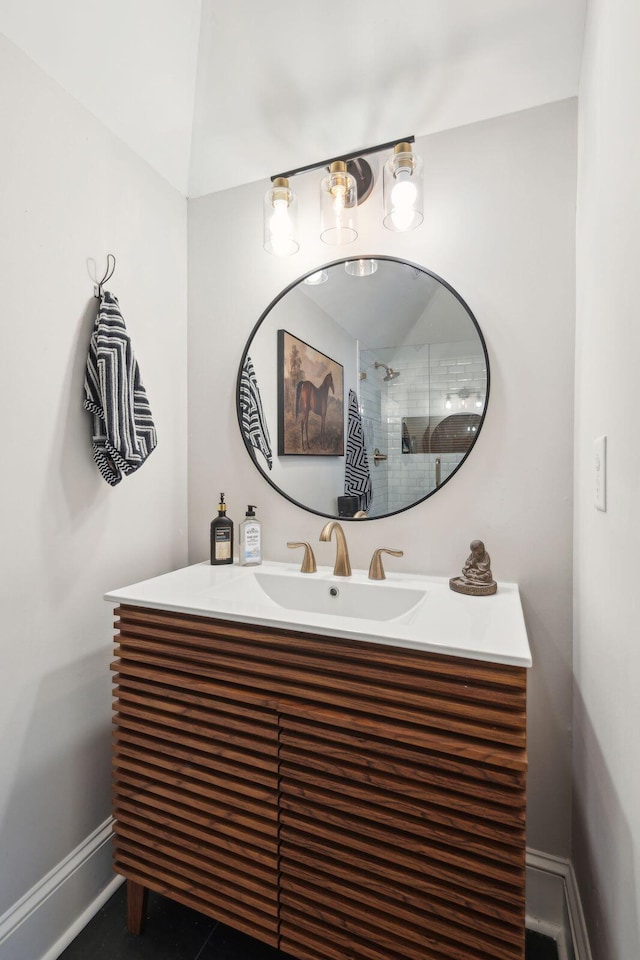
215,94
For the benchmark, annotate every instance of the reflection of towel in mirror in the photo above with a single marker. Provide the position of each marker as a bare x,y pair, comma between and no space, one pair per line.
357,479
123,431
254,425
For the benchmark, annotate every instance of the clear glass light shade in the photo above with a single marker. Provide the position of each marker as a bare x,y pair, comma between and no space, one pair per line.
338,205
320,276
360,268
281,219
402,188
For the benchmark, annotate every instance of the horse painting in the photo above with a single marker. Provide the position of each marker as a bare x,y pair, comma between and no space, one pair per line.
310,387
312,399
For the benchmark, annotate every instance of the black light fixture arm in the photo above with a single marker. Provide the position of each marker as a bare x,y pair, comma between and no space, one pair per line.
353,155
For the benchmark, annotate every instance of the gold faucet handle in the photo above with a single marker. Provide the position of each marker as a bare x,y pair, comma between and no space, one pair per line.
376,570
308,561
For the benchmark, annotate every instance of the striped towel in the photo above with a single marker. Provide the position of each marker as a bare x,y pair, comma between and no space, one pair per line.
357,479
123,431
254,425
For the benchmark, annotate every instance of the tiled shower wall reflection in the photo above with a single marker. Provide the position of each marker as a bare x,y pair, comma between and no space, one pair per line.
428,373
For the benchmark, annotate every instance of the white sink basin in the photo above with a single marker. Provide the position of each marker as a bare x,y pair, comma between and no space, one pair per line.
407,610
376,600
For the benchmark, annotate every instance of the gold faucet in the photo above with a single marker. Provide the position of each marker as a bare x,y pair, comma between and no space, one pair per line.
308,561
342,567
376,570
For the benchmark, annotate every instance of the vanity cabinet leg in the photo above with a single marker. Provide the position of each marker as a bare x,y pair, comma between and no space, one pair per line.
136,906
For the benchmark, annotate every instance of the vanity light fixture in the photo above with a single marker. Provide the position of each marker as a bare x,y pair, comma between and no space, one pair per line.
447,402
402,182
478,401
348,182
338,205
280,219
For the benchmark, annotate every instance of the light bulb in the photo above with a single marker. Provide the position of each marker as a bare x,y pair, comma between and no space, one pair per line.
280,228
403,198
478,401
338,192
447,403
338,205
404,192
337,201
403,189
280,219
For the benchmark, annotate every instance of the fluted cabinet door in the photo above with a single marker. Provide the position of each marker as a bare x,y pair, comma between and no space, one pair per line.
403,824
195,772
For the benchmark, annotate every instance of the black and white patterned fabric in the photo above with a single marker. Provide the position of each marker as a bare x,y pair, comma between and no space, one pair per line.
357,478
123,431
254,425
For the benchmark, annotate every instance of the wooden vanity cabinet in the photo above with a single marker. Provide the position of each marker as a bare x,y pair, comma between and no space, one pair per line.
195,773
334,798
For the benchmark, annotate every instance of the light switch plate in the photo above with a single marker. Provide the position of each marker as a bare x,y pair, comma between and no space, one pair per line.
600,476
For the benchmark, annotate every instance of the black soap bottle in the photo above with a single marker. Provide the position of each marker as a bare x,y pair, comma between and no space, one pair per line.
222,535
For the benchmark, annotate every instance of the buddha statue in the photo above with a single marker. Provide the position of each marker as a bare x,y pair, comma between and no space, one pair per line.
476,579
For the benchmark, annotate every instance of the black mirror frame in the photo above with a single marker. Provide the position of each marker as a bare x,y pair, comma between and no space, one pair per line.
264,314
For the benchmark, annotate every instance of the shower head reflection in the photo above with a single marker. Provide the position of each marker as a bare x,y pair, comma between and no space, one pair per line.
391,373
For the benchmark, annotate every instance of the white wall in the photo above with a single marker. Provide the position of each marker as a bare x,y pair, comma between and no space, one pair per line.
132,65
500,227
69,190
606,846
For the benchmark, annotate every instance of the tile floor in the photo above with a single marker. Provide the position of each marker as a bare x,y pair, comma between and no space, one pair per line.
174,932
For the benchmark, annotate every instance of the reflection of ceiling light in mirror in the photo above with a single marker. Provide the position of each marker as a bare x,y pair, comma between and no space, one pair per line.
320,276
478,400
360,268
447,402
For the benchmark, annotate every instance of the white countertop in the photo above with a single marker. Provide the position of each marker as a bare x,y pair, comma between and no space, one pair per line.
482,628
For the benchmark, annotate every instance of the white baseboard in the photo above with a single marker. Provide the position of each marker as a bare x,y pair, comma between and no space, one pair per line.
50,915
554,907
47,918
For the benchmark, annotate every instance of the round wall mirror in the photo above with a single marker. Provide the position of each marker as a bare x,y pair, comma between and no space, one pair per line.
363,388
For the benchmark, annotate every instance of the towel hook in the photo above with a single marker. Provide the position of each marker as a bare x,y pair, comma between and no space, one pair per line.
97,290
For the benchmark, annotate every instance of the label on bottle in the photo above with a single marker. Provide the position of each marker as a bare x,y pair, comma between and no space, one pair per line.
251,550
222,543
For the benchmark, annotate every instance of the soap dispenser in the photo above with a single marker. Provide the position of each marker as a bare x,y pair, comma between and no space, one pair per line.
250,552
222,535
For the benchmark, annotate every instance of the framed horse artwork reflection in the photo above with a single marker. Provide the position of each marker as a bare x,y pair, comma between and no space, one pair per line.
310,400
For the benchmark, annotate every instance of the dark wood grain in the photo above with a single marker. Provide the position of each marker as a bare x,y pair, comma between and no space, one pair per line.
333,798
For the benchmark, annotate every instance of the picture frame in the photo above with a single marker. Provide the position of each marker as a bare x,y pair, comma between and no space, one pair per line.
310,400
